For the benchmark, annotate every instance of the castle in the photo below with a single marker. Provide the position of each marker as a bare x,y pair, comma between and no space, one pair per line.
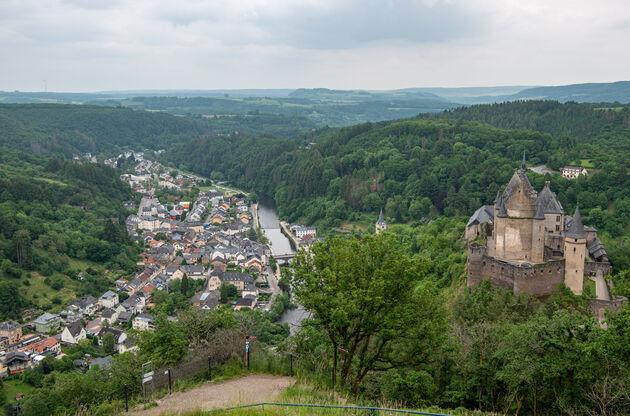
525,243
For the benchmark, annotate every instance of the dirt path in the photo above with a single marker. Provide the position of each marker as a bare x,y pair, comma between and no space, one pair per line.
244,390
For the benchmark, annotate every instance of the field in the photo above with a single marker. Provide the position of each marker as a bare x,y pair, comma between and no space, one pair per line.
14,386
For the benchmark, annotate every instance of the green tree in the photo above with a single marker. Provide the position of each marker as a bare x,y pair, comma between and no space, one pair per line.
252,234
109,343
23,249
227,291
184,287
369,297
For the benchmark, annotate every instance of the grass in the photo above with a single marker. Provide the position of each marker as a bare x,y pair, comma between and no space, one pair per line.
301,393
587,163
14,386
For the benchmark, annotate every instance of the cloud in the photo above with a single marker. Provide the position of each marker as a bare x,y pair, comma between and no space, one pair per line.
87,45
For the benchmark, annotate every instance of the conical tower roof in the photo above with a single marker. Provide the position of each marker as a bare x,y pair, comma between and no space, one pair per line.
381,219
576,228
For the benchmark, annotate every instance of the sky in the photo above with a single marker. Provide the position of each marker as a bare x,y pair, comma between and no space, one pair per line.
96,45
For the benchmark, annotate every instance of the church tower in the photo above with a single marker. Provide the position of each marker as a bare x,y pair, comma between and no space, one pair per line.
380,224
574,252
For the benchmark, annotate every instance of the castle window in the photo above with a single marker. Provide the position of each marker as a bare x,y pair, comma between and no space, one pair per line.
558,218
557,227
574,249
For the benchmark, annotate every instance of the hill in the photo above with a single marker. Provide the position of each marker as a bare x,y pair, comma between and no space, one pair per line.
581,93
75,129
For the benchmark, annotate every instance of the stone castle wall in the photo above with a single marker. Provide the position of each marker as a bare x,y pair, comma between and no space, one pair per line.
539,279
591,267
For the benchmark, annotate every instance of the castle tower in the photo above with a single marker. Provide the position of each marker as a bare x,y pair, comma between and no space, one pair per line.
538,236
380,224
514,221
574,252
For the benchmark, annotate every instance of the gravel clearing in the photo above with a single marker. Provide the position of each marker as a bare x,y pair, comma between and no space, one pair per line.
246,390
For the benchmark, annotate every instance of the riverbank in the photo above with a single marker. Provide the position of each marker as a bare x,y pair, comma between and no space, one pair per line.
254,211
285,228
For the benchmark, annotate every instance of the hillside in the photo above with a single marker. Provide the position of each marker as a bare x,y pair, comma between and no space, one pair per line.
72,129
581,93
55,221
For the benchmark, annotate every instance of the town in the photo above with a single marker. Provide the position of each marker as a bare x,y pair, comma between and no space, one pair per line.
210,244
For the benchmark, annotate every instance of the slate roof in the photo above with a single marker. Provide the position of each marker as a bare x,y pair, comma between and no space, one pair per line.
596,249
518,178
236,277
548,202
576,228
75,329
483,215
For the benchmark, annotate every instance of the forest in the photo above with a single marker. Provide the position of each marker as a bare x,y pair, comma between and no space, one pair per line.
472,348
65,130
58,218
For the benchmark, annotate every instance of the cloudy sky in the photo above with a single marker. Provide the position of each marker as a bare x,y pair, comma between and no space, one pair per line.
95,45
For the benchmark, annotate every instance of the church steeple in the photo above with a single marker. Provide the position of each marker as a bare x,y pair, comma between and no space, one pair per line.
380,224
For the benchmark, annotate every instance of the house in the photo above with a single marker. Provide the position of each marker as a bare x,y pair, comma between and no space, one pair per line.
572,172
16,362
109,299
73,333
47,323
87,305
124,317
119,336
248,302
109,315
48,346
206,301
300,231
143,322
70,315
94,327
250,289
11,330
195,272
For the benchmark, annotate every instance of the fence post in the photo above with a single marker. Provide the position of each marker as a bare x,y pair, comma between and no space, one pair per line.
291,364
169,380
247,353
332,378
209,369
126,400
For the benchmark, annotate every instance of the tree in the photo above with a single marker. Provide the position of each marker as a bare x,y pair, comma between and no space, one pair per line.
369,297
227,291
184,287
109,343
252,234
23,249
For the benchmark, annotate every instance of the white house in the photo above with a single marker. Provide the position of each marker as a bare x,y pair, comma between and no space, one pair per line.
109,299
143,322
572,172
73,333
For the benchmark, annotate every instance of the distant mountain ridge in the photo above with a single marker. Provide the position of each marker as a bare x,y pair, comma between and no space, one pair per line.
581,93
328,107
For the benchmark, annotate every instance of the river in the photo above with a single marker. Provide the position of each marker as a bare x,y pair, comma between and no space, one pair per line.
269,222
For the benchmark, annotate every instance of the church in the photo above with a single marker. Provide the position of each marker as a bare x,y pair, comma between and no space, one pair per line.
524,242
